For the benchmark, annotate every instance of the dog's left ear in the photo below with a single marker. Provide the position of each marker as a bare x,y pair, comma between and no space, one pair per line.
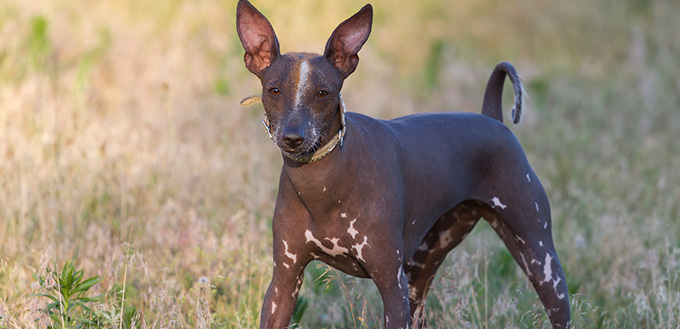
344,44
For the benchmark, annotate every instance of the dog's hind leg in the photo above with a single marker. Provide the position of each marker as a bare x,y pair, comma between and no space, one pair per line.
449,231
525,228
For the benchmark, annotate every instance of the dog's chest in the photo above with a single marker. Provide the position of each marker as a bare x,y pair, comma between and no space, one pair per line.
340,243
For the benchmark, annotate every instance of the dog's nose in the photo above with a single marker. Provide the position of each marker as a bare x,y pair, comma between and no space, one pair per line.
293,138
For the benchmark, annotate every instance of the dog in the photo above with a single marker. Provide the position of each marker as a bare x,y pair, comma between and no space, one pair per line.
387,200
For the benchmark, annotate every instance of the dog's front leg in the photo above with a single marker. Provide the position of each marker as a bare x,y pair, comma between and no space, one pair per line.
279,301
290,255
392,284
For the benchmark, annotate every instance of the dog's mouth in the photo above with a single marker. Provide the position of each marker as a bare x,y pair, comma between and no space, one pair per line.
311,143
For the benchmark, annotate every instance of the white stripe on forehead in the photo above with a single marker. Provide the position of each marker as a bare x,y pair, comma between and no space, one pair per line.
302,82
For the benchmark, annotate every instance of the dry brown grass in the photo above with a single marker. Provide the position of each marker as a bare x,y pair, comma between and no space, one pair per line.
122,117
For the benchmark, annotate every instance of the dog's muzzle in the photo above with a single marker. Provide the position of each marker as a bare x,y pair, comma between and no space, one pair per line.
320,153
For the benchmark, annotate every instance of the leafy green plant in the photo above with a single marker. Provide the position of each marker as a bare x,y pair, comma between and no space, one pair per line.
66,290
109,315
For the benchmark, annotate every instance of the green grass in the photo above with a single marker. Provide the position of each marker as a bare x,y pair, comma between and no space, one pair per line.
123,150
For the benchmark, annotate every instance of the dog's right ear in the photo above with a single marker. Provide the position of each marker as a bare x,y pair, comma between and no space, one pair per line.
257,36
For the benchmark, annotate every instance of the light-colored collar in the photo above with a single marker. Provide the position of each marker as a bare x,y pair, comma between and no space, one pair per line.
320,153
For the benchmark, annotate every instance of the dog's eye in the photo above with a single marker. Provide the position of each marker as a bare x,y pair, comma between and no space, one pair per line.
275,91
321,94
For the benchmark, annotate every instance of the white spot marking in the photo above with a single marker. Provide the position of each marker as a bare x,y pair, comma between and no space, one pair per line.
540,243
343,215
276,290
302,83
416,264
529,178
289,254
526,266
559,296
286,265
273,307
445,238
297,287
547,269
336,250
536,203
359,248
351,230
324,189
399,274
545,226
497,203
413,222
397,252
520,239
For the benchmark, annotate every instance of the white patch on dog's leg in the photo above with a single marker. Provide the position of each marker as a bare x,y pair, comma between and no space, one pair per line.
547,269
540,243
297,288
555,282
416,264
273,307
351,230
289,254
497,203
399,273
526,266
536,203
343,215
445,238
529,178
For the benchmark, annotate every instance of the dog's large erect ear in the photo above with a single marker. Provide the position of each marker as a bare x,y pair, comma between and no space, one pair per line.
257,36
344,44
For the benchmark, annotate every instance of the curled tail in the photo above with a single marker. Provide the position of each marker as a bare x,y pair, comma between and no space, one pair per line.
493,96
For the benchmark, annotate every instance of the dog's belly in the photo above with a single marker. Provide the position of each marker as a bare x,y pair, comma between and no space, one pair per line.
344,263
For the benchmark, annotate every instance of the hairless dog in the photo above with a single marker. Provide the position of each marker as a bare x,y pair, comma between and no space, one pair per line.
387,200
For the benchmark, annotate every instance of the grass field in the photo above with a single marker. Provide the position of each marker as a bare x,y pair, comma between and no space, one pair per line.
124,151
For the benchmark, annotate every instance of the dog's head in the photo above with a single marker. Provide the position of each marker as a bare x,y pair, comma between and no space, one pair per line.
300,91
